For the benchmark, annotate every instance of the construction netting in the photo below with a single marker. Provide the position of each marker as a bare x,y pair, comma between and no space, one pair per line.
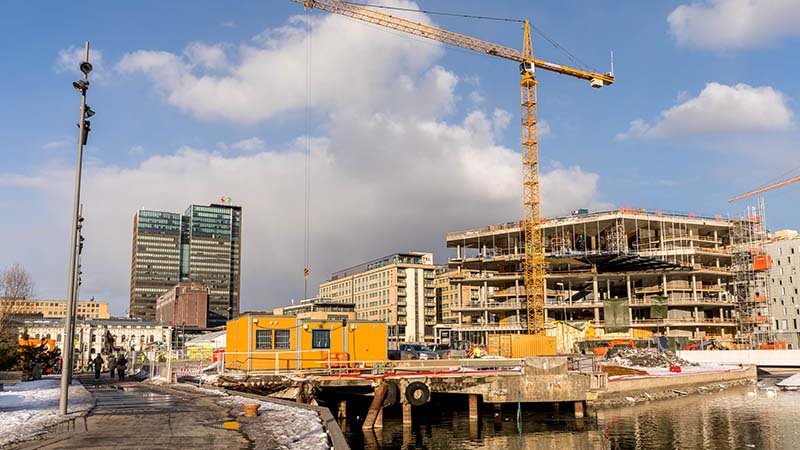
616,315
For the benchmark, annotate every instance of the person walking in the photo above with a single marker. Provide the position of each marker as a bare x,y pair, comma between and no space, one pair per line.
121,366
98,366
112,365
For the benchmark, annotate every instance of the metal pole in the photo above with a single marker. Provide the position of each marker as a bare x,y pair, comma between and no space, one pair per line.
77,285
73,257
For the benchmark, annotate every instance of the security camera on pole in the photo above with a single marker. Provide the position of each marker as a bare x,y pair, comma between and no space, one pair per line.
81,86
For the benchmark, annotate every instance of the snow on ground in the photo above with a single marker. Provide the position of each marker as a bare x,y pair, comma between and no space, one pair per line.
27,408
282,427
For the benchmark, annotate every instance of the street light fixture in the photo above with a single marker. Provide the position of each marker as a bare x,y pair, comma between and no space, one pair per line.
81,86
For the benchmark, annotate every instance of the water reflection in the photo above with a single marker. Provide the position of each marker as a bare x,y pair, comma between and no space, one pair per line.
739,418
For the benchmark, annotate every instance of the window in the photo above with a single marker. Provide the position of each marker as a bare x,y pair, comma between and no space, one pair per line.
263,339
282,339
320,338
784,324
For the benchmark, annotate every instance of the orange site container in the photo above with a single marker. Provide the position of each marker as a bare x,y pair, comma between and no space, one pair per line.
762,262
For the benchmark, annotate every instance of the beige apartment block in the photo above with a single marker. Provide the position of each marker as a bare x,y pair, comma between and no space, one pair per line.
647,257
53,309
397,289
451,295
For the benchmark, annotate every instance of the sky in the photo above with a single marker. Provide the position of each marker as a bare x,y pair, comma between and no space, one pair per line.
409,138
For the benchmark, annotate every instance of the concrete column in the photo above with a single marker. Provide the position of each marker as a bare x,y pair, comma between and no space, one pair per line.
343,409
458,251
595,290
579,409
473,407
716,245
694,288
379,420
596,316
664,284
406,414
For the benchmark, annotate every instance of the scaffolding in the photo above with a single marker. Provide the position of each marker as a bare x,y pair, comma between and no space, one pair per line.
750,277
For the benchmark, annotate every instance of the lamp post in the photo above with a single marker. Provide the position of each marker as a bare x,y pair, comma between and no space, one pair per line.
81,86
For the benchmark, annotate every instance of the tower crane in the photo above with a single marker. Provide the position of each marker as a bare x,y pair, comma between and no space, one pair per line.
764,189
534,263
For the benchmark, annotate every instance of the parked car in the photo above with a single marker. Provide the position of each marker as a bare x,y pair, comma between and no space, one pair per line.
454,350
417,351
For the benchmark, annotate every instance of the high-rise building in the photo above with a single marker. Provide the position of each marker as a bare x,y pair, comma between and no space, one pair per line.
201,245
397,289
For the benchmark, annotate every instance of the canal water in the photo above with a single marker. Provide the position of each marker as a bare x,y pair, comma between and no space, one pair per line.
750,417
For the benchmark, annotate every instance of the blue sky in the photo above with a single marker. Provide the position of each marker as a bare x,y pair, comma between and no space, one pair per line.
410,139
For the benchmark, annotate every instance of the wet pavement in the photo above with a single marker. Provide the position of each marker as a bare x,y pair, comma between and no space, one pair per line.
132,415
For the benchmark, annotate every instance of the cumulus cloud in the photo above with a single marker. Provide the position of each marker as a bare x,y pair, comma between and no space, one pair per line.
734,24
426,178
392,172
249,145
352,65
719,109
206,56
69,59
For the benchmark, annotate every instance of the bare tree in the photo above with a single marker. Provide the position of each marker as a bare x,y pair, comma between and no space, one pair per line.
16,283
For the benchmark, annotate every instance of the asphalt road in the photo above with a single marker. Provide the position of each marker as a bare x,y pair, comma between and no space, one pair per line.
132,415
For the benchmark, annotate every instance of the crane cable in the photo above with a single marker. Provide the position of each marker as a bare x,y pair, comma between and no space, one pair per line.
577,61
307,168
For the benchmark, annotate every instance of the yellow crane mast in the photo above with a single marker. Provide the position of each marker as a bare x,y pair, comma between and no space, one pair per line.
534,265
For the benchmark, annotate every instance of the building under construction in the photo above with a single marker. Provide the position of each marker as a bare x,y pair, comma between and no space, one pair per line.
633,273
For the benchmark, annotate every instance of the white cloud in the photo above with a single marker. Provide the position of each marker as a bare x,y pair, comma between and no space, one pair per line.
249,145
425,178
55,145
719,109
352,66
389,174
69,59
136,150
206,56
734,24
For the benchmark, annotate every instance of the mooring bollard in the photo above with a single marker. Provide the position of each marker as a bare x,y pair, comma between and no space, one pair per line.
251,409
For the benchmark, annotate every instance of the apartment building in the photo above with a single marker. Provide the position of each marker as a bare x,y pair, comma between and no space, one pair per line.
201,245
53,309
623,270
450,296
397,289
784,287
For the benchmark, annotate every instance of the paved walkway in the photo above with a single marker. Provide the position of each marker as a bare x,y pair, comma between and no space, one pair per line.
132,415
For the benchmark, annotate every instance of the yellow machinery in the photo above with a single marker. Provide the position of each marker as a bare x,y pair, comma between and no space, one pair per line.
534,266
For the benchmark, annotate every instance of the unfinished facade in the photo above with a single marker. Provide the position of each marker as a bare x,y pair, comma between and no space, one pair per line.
679,263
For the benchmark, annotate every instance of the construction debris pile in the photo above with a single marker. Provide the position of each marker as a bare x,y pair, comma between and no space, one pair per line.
644,357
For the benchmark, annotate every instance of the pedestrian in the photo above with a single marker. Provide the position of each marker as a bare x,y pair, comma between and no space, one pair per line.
121,365
112,365
98,366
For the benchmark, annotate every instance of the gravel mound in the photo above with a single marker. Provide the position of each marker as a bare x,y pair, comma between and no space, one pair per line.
644,357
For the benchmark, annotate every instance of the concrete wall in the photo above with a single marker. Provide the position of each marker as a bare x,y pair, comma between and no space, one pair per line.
763,358
628,386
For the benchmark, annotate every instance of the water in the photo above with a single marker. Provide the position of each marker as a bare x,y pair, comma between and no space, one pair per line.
738,418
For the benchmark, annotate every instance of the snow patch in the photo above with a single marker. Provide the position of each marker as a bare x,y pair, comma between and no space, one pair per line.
27,408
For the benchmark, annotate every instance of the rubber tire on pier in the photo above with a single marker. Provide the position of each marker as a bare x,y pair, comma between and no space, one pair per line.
418,393
392,394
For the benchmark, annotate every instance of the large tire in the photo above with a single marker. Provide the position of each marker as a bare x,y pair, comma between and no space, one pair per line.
417,393
392,394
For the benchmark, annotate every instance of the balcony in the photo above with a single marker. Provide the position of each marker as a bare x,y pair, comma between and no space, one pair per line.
401,302
401,292
401,274
430,303
401,283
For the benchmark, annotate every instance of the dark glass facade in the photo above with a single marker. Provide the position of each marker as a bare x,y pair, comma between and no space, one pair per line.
202,245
